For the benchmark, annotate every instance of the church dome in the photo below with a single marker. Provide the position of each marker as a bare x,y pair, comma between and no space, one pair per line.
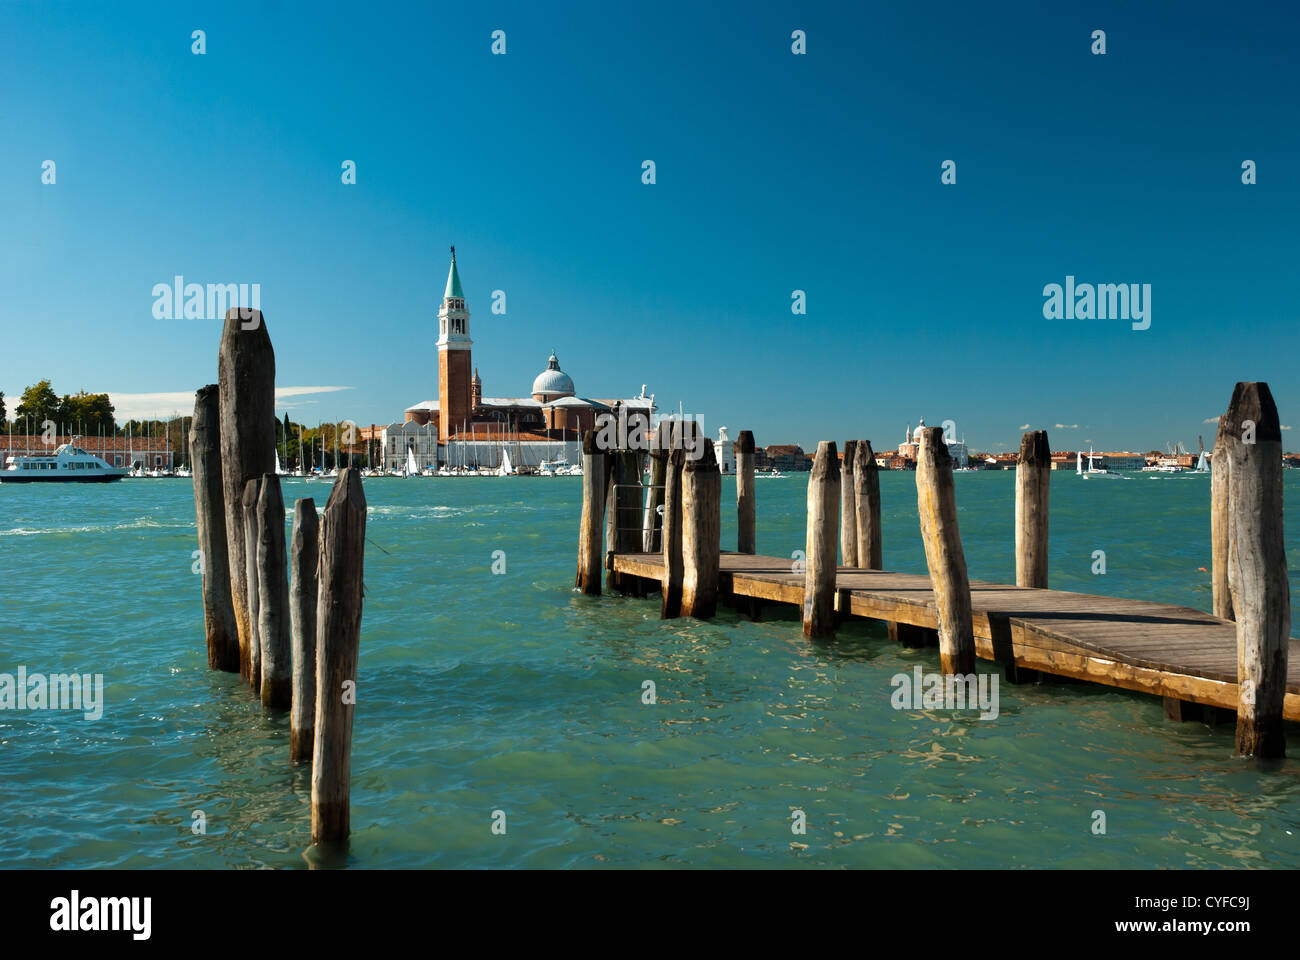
553,382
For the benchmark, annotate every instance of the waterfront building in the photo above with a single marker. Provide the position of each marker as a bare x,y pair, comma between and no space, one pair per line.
129,453
466,429
911,446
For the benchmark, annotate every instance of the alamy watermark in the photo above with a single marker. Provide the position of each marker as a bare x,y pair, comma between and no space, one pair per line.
945,691
1102,301
179,300
57,691
633,432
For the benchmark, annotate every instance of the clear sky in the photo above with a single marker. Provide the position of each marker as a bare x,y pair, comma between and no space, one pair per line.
775,173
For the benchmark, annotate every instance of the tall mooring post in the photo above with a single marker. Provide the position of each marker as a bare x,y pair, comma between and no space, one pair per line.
820,542
746,514
937,507
1257,574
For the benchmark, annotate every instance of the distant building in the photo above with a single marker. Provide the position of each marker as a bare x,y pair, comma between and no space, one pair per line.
472,430
786,456
145,453
911,446
1124,460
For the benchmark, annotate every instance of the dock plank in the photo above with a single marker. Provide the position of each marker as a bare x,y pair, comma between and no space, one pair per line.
1155,648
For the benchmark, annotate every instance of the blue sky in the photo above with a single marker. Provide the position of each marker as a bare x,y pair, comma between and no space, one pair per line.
775,172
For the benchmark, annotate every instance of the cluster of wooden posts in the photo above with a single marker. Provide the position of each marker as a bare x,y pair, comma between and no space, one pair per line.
681,518
288,620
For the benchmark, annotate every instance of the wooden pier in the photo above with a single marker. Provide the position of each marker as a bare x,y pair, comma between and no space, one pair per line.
1241,660
1154,648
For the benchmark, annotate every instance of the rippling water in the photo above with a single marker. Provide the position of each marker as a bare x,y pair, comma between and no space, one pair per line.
480,692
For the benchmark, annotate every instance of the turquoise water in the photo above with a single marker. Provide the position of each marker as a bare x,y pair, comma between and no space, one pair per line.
480,692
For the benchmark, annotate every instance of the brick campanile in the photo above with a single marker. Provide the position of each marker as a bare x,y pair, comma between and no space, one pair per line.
454,367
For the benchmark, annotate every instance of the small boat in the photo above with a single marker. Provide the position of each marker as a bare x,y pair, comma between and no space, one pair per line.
505,470
1093,470
68,464
412,470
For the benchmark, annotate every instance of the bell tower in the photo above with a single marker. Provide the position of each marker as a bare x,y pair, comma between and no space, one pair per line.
455,406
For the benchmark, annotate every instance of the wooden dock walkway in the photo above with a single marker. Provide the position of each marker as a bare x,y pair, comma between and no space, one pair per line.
1241,658
1154,648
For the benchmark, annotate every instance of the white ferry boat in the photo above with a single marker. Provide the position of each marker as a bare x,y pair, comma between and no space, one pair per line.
68,464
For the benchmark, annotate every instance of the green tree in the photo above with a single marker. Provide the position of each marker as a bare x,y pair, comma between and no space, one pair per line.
39,403
3,416
89,411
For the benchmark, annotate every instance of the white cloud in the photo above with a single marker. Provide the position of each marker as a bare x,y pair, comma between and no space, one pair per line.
1024,426
147,406
1067,426
1286,426
1210,420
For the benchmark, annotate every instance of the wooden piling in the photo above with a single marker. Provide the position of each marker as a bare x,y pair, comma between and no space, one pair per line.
1257,574
591,555
1219,492
248,510
701,533
746,513
622,506
653,519
848,506
937,506
671,604
866,484
819,556
304,554
1033,485
210,507
246,391
276,686
338,632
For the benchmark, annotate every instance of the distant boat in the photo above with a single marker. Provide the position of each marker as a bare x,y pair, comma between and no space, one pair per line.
1203,464
279,470
1092,470
68,464
505,469
412,470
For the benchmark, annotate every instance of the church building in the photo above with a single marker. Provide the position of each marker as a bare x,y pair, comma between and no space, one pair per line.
552,415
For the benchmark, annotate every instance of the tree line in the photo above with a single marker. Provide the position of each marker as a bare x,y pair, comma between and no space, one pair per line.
92,414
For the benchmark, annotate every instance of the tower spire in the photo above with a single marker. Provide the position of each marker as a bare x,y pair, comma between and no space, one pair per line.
453,280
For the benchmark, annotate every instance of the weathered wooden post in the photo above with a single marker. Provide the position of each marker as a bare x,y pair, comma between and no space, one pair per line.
591,556
276,663
338,634
1033,485
248,509
671,604
304,554
622,503
652,522
246,390
866,486
1219,496
819,555
746,525
848,506
701,533
937,506
1257,575
210,507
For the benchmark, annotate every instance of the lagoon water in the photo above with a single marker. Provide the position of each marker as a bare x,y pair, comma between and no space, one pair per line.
480,692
